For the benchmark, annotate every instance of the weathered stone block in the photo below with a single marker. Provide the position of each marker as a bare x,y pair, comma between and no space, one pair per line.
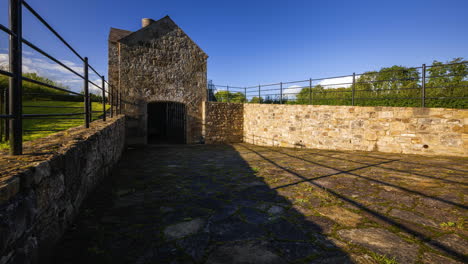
451,140
224,122
386,114
8,189
45,194
370,135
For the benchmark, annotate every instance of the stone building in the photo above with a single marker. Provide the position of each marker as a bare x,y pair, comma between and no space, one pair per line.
161,75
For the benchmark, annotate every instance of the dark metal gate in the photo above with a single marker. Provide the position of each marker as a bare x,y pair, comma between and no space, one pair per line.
166,123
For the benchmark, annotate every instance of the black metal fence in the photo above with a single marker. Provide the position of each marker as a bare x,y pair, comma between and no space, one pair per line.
437,85
12,116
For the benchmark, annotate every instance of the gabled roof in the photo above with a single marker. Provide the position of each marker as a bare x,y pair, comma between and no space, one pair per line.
153,31
116,34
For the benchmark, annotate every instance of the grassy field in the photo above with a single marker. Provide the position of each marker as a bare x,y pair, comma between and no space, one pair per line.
44,127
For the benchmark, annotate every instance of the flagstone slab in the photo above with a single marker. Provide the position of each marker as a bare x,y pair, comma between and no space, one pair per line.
251,204
341,215
383,242
183,229
244,253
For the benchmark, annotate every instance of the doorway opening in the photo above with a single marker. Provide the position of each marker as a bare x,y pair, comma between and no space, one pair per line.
166,123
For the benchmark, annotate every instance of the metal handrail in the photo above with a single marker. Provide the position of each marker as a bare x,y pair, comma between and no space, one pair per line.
51,57
14,92
9,74
45,115
49,85
95,85
7,30
97,73
50,106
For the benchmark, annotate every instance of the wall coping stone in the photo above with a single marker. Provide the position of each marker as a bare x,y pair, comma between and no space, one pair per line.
19,172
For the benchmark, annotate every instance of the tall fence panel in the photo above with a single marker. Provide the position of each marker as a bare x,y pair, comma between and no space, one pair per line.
437,85
18,106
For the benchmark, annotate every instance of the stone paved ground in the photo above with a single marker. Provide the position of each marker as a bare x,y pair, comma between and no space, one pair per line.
252,204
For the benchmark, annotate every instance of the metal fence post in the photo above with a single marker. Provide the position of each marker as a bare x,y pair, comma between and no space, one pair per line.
281,92
103,98
259,96
423,86
245,94
117,101
2,111
228,99
90,100
15,85
7,111
310,91
114,95
353,88
114,100
120,102
111,100
86,92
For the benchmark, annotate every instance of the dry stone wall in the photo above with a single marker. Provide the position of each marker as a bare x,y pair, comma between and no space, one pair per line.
42,192
223,122
435,131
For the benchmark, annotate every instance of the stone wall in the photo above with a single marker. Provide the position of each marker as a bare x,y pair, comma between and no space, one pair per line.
41,191
435,131
159,63
223,122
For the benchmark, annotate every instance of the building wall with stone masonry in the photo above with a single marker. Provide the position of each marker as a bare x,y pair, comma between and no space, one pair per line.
113,65
40,194
223,122
434,131
160,63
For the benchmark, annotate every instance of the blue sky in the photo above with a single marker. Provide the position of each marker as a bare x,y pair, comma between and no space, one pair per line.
252,42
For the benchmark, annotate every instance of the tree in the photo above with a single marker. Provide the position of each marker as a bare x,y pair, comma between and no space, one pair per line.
447,81
391,86
256,100
304,95
32,91
318,94
273,100
225,96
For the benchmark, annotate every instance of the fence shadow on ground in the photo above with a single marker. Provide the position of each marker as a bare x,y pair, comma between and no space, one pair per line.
380,172
193,204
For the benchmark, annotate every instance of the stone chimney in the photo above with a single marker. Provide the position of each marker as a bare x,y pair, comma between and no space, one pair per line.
146,22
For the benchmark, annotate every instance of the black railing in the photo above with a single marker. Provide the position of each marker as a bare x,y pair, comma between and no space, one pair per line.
438,85
12,104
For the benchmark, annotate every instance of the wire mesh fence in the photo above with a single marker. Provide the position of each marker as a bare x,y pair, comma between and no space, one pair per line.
437,85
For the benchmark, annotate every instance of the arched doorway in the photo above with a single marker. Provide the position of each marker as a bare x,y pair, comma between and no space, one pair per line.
166,123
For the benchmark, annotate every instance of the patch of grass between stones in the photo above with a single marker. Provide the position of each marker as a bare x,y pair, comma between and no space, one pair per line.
383,259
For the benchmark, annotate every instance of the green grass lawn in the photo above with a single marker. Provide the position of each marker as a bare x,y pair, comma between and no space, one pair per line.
46,127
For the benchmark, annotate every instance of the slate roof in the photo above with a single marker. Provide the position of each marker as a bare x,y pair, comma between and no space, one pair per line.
116,34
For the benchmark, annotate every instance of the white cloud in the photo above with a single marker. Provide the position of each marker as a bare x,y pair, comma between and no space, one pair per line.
291,91
52,70
26,52
93,89
337,82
